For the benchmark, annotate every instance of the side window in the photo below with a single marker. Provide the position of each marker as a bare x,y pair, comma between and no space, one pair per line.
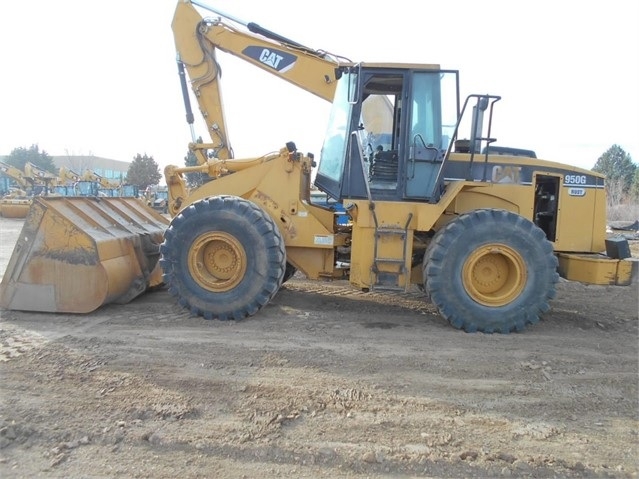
426,111
434,109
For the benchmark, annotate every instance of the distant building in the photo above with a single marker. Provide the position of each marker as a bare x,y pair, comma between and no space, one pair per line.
110,169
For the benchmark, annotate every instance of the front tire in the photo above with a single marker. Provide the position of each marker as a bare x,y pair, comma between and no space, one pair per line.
490,271
223,258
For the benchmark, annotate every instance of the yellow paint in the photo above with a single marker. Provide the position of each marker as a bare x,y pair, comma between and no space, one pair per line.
595,269
75,254
494,275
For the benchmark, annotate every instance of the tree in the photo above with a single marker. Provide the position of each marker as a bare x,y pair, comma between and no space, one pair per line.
143,171
618,167
21,156
634,189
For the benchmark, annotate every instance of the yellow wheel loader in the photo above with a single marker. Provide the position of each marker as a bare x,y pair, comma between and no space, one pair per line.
157,198
32,181
485,230
64,184
433,202
16,202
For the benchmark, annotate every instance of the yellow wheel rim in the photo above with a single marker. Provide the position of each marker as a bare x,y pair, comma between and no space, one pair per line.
494,275
217,261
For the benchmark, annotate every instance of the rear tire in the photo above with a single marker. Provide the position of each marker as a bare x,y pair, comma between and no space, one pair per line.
490,271
223,258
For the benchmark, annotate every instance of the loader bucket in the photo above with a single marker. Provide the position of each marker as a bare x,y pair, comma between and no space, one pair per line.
14,207
75,254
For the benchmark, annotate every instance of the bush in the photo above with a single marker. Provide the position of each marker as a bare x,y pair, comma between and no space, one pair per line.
623,212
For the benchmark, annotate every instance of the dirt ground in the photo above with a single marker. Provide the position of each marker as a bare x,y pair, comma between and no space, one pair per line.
326,381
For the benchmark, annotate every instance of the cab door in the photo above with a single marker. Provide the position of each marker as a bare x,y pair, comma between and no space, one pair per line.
433,112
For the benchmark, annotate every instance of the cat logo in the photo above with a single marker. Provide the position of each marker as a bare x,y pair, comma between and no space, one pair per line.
275,59
270,58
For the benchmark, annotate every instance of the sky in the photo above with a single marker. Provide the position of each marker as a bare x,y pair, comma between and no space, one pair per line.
99,78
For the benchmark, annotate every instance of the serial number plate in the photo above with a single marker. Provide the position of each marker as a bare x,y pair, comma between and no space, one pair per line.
323,240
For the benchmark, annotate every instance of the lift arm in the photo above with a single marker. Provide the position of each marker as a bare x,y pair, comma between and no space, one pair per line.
198,38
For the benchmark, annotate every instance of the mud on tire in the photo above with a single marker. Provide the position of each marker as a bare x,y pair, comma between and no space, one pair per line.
490,271
223,258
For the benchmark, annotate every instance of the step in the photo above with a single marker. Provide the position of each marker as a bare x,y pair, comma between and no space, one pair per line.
390,260
383,287
390,231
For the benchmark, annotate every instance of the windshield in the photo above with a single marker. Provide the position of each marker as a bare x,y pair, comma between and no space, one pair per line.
374,131
334,149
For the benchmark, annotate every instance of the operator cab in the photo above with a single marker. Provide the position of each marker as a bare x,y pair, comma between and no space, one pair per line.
388,133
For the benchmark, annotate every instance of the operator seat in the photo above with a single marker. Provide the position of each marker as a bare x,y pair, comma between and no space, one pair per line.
384,165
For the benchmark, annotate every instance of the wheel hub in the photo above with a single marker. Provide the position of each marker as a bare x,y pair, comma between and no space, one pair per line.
217,261
494,275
